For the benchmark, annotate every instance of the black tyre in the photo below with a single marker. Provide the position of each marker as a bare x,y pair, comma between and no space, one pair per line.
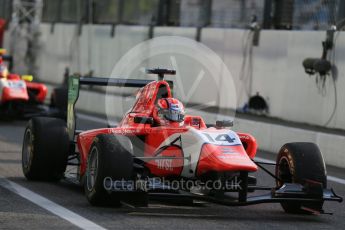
296,163
45,149
109,157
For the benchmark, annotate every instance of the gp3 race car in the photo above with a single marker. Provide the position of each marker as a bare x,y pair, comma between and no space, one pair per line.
156,145
19,96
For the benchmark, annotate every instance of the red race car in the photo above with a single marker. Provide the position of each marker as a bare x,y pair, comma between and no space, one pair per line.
159,152
19,96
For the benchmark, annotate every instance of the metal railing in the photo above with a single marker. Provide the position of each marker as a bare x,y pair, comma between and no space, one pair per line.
315,14
271,14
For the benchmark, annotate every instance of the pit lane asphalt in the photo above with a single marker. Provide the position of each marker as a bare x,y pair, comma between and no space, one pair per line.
19,213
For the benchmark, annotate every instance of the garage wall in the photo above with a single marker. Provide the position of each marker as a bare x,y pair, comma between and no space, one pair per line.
65,47
278,74
277,70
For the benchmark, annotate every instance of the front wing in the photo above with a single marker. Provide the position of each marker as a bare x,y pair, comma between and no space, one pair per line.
290,192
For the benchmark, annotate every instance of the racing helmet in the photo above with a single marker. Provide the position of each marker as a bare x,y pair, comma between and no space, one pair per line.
169,110
3,70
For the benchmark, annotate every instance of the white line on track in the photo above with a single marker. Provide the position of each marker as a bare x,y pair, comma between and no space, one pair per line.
336,179
49,205
330,178
99,120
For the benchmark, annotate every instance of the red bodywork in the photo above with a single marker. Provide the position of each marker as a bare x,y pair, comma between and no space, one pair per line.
13,88
209,156
39,91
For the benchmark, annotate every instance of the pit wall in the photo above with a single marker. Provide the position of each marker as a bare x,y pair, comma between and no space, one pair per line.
278,74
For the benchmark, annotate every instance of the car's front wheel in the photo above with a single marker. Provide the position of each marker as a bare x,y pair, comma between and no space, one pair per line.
109,159
296,163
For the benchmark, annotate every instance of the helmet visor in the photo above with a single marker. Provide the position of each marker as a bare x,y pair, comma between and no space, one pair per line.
172,114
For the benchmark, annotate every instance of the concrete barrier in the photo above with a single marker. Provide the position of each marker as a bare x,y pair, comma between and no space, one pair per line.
277,74
277,63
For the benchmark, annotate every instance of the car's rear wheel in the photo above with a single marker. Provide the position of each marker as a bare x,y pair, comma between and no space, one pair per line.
110,157
45,149
296,163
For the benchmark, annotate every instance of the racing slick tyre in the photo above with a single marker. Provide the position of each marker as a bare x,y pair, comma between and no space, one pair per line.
296,163
109,158
45,149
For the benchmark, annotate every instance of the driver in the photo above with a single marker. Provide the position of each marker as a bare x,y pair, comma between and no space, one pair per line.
3,70
169,111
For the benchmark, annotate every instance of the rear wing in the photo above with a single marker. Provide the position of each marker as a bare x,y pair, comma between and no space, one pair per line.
74,83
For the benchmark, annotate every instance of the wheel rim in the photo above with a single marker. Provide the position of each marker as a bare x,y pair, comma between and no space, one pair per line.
284,172
27,150
92,169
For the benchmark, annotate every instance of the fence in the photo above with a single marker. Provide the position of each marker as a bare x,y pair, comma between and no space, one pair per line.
271,14
316,14
5,9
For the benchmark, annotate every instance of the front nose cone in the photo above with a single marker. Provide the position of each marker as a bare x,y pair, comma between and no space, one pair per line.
224,159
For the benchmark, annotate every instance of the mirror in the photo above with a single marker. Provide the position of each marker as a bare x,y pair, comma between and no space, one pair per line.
224,123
